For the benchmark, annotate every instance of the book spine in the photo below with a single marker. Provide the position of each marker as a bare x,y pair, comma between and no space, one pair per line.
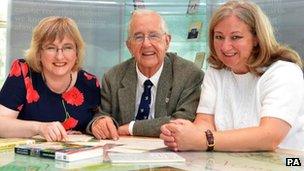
61,156
23,151
47,154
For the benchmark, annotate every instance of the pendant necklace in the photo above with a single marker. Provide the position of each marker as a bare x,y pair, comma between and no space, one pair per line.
44,79
69,121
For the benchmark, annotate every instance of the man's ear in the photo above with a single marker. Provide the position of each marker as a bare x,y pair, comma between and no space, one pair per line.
128,44
168,40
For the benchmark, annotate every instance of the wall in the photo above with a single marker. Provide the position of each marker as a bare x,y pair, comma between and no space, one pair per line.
103,25
286,17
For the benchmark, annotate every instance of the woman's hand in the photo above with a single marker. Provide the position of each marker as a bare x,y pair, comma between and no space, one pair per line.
52,131
183,135
166,135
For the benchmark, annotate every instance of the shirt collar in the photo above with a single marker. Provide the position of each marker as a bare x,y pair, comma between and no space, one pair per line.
154,79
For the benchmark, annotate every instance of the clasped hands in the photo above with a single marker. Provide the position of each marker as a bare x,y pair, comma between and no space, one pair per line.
104,128
182,135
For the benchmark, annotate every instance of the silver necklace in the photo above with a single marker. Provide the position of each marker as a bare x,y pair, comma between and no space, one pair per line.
67,115
44,79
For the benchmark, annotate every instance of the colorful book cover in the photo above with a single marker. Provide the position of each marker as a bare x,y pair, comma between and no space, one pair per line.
50,151
10,143
139,4
194,30
193,6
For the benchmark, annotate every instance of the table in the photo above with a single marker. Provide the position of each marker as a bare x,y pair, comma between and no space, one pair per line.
198,160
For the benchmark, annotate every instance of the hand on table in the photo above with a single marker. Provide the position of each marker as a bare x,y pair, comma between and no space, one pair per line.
52,131
182,135
104,128
124,130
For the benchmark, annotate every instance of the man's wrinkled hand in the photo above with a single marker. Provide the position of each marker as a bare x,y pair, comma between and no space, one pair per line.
104,128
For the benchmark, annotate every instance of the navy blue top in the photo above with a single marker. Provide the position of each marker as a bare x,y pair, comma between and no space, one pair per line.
25,91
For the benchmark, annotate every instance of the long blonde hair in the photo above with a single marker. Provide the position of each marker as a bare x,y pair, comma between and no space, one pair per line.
268,49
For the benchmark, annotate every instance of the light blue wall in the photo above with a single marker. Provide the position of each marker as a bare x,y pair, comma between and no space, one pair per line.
103,24
286,17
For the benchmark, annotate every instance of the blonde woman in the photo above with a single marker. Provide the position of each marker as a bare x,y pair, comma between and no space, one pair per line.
48,93
253,92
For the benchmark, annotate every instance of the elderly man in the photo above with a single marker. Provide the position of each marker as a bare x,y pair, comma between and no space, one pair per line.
148,90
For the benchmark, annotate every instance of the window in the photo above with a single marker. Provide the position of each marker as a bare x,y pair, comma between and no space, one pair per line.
3,19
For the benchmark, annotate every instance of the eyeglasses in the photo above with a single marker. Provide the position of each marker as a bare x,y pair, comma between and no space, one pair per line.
153,37
53,50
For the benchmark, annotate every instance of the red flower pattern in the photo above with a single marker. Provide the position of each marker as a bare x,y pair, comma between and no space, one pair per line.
69,123
20,107
89,77
97,83
31,94
24,69
15,70
73,97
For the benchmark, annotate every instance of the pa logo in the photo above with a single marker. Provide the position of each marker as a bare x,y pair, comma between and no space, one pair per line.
293,162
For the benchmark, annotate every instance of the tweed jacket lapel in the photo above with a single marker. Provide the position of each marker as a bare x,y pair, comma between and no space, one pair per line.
164,88
127,94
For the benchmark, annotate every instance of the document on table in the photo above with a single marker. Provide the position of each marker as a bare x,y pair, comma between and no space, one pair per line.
138,144
145,157
71,137
130,144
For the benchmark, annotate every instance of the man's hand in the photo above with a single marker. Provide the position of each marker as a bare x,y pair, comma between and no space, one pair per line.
104,128
124,130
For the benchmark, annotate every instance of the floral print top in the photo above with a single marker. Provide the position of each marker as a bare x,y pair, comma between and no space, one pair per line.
25,91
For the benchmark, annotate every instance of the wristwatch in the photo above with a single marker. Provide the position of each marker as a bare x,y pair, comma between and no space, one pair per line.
210,140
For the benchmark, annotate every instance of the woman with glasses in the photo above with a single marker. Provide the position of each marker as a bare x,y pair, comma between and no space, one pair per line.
48,93
253,92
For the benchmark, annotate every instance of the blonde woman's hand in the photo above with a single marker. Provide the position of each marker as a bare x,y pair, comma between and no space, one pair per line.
186,135
52,131
167,136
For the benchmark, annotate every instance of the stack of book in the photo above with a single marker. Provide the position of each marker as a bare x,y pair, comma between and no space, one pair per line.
60,151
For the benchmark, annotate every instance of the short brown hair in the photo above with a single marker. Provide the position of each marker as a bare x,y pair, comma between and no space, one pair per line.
268,49
47,30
